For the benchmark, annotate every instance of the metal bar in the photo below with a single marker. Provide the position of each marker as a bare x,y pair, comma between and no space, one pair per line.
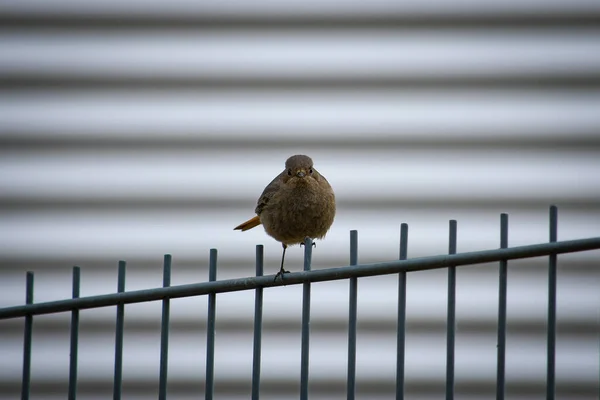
27,336
258,311
210,328
550,379
304,351
118,379
451,317
74,337
164,332
500,372
352,308
400,341
294,278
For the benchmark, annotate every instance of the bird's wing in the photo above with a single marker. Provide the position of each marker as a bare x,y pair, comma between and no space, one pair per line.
268,193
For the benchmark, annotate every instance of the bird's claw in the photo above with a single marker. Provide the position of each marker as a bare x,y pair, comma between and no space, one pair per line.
280,274
314,244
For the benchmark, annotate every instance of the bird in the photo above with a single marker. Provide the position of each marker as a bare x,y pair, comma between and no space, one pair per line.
298,204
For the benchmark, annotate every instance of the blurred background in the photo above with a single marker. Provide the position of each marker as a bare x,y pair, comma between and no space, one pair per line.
133,129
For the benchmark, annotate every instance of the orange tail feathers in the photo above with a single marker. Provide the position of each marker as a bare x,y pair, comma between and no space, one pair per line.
251,223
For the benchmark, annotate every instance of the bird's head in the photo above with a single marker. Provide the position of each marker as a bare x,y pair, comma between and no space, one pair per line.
299,167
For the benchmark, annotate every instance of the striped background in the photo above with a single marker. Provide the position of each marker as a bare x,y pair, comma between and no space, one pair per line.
133,129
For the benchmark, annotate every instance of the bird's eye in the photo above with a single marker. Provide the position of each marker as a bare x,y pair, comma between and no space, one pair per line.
310,171
290,172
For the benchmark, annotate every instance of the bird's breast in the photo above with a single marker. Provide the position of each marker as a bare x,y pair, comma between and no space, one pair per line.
298,212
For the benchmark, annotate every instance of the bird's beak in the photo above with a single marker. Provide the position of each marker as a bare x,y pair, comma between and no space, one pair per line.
301,174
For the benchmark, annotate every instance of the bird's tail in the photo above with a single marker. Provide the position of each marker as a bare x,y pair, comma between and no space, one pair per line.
251,223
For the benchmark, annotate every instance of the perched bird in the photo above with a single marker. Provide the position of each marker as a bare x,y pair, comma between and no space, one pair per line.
297,204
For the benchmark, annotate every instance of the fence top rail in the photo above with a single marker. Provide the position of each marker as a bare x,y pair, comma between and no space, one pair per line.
294,278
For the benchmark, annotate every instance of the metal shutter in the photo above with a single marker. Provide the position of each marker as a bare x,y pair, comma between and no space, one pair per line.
133,129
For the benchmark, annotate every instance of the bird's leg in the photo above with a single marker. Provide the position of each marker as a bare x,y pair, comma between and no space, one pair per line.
281,270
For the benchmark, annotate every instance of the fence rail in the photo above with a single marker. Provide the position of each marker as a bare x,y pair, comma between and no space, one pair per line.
306,277
294,278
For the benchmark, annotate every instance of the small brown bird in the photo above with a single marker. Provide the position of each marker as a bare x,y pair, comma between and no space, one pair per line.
297,204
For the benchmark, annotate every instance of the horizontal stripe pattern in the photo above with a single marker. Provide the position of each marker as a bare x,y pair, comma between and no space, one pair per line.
130,130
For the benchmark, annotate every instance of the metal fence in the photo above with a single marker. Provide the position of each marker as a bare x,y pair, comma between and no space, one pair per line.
351,272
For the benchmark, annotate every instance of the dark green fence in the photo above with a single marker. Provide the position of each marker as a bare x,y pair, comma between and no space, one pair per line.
352,272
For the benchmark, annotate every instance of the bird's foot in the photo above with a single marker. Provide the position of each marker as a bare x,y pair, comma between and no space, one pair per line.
314,244
280,274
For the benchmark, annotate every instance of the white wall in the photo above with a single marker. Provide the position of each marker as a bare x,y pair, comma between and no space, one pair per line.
130,130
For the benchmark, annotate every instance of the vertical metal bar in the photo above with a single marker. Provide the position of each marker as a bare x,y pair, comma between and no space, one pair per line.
164,331
117,383
210,329
500,377
258,308
401,315
550,379
27,336
451,318
74,337
352,308
308,245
